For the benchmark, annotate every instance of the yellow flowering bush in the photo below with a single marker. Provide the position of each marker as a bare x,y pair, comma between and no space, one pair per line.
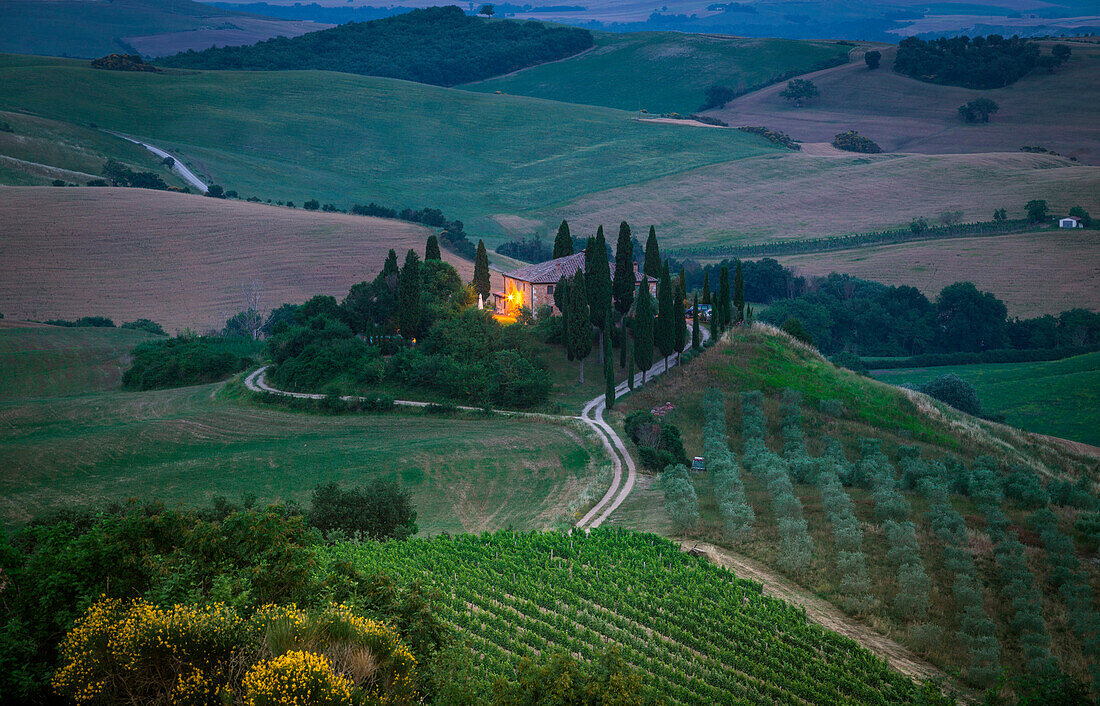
296,678
138,653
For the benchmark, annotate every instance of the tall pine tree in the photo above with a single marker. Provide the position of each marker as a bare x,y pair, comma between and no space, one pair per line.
481,271
664,330
724,297
679,332
643,330
652,265
408,297
739,293
623,284
563,242
696,335
597,277
431,250
608,365
578,328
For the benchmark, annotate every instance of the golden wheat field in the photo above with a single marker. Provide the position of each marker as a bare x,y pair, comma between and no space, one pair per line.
179,259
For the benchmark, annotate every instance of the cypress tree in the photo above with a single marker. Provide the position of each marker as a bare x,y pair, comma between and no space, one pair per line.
390,267
739,293
597,277
682,283
623,284
714,330
664,330
652,265
563,242
561,301
481,270
408,296
431,250
608,365
643,330
579,327
679,330
724,296
696,335
706,287
628,346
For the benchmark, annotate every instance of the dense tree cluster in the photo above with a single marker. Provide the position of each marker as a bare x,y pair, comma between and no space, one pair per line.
120,175
182,361
659,442
123,62
981,62
978,110
438,45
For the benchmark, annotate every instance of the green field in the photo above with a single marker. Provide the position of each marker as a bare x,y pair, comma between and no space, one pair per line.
1059,398
661,72
345,138
78,442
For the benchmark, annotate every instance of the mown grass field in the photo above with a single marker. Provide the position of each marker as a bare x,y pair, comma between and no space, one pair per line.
344,138
661,72
79,441
905,115
1059,398
1016,268
182,260
757,360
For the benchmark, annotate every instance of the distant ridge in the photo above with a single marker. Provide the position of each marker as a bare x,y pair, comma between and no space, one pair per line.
441,46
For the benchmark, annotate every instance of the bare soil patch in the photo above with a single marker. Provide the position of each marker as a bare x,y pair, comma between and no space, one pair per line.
182,260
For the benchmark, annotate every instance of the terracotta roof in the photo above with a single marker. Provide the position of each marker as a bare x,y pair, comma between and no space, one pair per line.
551,271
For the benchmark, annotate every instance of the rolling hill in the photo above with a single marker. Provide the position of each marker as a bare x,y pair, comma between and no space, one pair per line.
182,260
663,72
905,115
350,139
84,28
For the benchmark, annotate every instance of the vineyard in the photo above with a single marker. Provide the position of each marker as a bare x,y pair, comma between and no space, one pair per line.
697,633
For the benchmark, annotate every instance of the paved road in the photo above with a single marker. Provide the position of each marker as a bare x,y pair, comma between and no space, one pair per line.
189,176
592,415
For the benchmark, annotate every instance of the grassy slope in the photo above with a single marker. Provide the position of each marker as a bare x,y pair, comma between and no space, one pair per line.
768,361
903,114
77,441
1060,398
662,72
39,150
1022,279
90,29
182,260
345,138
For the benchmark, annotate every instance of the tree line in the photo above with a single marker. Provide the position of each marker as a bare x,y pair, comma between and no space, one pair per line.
441,46
981,62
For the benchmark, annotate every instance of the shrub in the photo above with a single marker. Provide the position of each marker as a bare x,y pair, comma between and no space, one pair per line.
296,678
177,362
852,141
145,325
716,96
123,62
680,500
774,136
379,510
978,110
953,390
659,442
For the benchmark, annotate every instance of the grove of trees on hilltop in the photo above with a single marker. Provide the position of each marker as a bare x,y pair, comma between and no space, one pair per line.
438,45
981,62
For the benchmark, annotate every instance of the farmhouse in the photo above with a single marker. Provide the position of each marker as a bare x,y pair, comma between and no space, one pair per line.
533,286
1070,222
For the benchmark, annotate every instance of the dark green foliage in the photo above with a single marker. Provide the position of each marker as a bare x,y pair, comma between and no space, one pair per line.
1023,485
121,175
664,329
872,58
481,271
563,241
795,328
706,287
532,249
177,362
852,141
978,110
339,362
659,442
643,330
773,136
739,292
408,296
577,324
953,390
1080,212
83,322
970,320
379,510
560,678
311,205
1036,210
1070,494
438,45
681,503
244,324
145,325
623,285
679,306
431,250
123,62
722,304
799,90
1088,524
597,272
851,361
716,96
696,336
981,62
652,266
608,365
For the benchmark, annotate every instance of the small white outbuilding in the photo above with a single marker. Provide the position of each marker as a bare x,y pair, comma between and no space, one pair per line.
1070,222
